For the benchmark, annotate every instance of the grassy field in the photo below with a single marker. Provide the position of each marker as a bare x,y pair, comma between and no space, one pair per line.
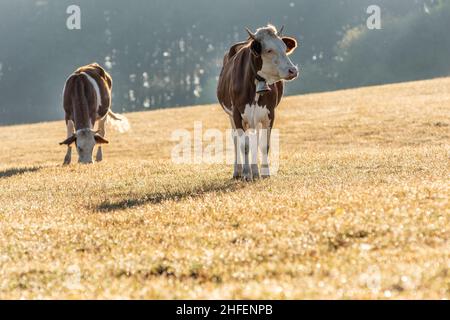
359,209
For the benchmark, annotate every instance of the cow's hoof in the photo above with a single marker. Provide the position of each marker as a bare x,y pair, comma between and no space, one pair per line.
67,161
99,156
255,172
265,172
246,173
68,156
237,172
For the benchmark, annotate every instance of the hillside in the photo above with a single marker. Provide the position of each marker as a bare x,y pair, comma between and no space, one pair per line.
359,209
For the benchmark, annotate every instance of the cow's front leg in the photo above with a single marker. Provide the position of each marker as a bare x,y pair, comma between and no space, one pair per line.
99,155
70,131
243,144
68,156
102,133
237,170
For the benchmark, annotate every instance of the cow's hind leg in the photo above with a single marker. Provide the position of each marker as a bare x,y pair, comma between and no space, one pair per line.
237,171
244,140
102,133
254,142
70,132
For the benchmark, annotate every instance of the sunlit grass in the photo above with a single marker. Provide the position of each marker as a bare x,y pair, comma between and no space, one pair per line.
359,209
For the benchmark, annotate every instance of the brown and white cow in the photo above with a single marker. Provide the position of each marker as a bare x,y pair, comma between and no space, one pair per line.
250,88
86,100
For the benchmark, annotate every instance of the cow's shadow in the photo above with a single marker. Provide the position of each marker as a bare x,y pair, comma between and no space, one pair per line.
17,171
169,195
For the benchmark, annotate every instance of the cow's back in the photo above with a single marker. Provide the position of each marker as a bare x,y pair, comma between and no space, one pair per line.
79,100
102,82
224,94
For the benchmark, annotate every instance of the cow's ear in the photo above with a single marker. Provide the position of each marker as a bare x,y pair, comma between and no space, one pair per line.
256,47
290,43
100,140
69,140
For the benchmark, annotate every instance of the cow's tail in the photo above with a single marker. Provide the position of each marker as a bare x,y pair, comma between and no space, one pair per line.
118,121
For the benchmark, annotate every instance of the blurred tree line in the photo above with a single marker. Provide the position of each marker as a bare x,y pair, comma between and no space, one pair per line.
415,46
168,53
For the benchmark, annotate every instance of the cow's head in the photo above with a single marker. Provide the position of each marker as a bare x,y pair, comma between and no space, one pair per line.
85,140
274,49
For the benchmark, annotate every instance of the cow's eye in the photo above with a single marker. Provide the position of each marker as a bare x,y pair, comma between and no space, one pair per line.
269,50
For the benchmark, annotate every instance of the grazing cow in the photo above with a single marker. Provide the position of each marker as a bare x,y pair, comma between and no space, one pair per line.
249,89
86,99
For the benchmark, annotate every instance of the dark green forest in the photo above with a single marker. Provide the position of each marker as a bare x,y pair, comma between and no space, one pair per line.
169,53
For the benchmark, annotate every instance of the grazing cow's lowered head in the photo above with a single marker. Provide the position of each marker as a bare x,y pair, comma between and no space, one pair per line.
274,49
85,141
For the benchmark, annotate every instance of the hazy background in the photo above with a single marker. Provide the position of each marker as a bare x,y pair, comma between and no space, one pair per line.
164,53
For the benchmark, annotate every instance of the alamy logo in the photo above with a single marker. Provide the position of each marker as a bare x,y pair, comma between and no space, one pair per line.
212,146
73,22
374,20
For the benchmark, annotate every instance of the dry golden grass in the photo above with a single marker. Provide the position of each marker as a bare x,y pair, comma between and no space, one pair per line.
360,207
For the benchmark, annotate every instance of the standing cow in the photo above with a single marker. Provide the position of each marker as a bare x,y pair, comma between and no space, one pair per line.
250,88
87,99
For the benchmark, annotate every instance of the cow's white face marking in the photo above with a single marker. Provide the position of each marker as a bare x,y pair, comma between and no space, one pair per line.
276,63
254,115
85,145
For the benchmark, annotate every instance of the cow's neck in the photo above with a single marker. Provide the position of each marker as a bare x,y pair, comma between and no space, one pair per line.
261,84
255,66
